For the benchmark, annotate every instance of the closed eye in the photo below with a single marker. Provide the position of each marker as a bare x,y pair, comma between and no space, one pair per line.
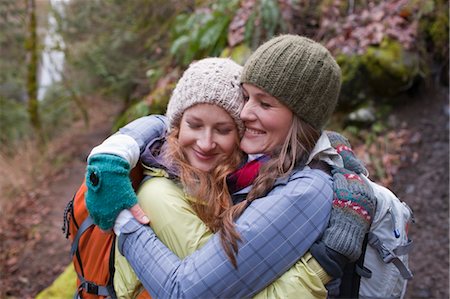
224,131
265,105
193,125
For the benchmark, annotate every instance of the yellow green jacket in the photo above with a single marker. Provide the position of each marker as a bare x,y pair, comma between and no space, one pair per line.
178,227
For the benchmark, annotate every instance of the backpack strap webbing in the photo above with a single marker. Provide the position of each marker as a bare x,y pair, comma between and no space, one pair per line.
391,256
112,257
88,286
88,222
351,278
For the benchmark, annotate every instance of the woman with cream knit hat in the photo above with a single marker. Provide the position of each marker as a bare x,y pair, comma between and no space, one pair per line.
291,85
202,148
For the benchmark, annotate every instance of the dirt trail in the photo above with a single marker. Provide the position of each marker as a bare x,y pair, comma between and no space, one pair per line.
47,251
424,185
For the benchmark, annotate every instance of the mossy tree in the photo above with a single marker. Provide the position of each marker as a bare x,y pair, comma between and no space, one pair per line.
31,46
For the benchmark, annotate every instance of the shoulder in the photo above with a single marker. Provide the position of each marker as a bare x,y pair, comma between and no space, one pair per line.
157,190
305,179
159,184
303,188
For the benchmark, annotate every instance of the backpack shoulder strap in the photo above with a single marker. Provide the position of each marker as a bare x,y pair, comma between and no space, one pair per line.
88,222
351,278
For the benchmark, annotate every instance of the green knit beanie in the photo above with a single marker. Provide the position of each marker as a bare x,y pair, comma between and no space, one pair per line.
299,72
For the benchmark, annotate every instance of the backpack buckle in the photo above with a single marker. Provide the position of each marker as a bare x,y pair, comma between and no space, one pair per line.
91,287
386,254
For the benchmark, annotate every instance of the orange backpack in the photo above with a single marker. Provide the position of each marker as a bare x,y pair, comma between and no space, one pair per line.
92,249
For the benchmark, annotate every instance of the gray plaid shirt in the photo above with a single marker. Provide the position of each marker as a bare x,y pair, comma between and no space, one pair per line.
276,230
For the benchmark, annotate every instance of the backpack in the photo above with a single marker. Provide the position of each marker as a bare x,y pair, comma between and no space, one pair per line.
92,249
388,247
382,270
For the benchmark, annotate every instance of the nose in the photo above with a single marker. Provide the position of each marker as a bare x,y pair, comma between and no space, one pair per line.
206,142
246,113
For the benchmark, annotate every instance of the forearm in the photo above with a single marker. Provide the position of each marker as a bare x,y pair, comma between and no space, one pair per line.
331,261
146,128
109,164
276,233
132,139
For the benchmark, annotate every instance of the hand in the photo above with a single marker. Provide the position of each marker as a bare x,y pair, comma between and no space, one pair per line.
139,214
121,220
109,188
342,146
353,209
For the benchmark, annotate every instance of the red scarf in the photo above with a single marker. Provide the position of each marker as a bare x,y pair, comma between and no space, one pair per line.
244,176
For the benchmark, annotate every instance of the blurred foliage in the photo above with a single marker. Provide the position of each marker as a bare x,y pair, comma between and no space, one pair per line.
155,103
12,39
127,51
13,121
13,117
56,110
111,43
202,32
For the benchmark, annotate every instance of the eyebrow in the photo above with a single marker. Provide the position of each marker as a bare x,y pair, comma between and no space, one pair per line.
260,94
195,118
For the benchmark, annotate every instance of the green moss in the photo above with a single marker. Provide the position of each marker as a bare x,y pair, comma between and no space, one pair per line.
159,99
63,287
239,53
439,32
390,69
354,85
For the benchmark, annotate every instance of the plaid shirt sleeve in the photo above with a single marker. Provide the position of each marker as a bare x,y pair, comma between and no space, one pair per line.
276,230
146,128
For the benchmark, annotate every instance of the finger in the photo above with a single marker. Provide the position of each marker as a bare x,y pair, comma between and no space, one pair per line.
139,214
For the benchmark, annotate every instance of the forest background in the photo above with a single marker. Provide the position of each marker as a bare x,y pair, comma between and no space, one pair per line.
74,71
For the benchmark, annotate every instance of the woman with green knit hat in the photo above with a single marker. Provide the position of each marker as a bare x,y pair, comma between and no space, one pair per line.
281,198
187,191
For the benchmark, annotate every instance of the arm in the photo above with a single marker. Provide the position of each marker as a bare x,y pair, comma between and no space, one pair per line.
277,231
109,164
343,238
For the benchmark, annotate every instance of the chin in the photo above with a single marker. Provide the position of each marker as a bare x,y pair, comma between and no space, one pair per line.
203,168
250,150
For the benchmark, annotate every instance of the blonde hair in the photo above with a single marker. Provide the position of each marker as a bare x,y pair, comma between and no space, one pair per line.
302,138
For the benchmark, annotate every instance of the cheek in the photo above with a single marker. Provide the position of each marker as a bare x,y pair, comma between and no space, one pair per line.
228,144
281,124
185,137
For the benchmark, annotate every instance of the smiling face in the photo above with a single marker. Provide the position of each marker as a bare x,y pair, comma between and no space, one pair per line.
207,135
267,121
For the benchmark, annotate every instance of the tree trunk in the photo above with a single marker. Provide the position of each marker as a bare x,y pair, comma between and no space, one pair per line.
32,69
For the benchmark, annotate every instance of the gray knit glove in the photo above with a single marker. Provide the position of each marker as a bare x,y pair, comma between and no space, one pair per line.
352,213
354,203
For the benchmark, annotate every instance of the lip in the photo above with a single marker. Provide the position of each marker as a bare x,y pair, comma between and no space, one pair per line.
202,156
254,131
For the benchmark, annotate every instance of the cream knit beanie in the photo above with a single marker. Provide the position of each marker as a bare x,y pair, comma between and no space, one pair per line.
211,81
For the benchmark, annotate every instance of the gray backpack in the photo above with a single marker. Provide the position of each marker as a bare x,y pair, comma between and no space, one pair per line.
386,272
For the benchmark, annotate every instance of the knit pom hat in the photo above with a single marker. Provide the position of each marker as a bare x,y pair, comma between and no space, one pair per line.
298,72
211,81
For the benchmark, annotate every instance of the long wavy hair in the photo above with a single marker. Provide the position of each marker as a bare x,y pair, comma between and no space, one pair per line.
208,191
293,153
211,199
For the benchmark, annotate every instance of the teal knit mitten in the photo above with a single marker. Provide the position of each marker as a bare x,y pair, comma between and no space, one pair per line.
109,188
